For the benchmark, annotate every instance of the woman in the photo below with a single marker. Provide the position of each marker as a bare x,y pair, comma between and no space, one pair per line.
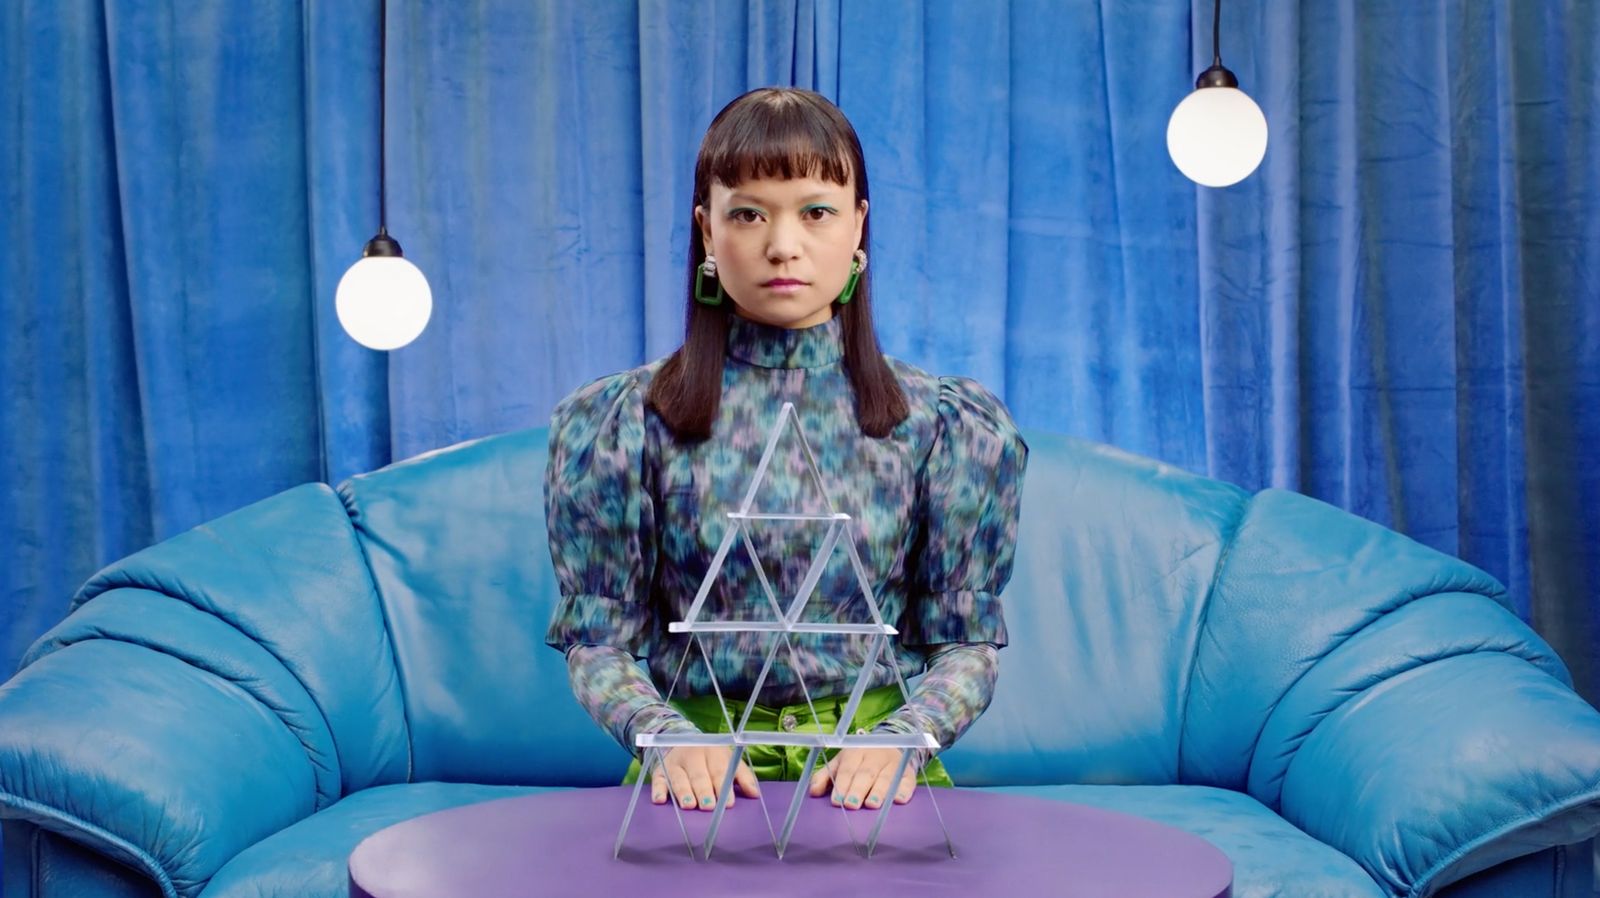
644,463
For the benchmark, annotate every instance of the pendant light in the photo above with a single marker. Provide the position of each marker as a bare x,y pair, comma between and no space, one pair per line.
1217,136
383,301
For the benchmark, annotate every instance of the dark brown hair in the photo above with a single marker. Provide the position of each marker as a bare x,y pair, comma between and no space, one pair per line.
773,132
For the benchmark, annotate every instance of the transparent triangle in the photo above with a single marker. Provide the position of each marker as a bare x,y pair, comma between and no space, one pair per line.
789,491
791,481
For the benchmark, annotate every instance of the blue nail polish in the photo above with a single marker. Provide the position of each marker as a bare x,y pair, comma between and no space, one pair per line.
853,800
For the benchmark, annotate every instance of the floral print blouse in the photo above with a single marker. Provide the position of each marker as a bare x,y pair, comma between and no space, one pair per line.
635,518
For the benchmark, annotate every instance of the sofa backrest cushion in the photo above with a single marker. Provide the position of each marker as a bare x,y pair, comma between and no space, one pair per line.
456,542
1115,558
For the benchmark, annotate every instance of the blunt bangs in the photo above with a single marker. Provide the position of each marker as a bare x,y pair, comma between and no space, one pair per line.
780,136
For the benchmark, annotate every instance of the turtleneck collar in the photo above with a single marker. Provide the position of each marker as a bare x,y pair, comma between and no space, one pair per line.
770,346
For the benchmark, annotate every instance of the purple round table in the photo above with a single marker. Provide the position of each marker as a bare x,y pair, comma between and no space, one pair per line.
560,843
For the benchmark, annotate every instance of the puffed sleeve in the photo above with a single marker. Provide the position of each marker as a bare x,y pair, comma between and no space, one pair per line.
968,503
600,518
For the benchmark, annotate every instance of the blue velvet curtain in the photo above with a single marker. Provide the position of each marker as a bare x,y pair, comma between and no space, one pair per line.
1399,313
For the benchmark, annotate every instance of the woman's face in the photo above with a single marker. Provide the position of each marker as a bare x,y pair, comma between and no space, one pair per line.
783,247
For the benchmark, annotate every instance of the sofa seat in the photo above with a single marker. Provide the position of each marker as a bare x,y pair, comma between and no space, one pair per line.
308,859
1271,858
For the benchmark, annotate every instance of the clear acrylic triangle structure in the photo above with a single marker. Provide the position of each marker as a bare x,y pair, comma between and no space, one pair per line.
784,623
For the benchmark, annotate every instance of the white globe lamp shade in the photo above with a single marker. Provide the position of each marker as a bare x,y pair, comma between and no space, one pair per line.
1217,136
383,302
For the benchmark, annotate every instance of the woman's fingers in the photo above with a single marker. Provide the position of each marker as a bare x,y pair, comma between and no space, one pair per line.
857,777
677,776
863,780
908,785
822,778
693,777
717,760
717,763
885,786
658,786
705,791
844,777
864,777
746,778
819,782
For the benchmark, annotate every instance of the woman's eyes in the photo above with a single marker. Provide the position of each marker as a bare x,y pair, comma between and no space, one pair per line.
810,213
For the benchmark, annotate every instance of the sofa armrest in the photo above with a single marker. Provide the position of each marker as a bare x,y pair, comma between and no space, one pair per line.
148,759
1449,768
288,574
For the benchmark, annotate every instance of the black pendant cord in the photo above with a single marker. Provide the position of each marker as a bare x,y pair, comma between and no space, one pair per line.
1216,34
1216,76
383,102
383,244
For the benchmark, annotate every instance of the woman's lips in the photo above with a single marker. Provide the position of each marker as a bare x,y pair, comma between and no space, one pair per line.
784,285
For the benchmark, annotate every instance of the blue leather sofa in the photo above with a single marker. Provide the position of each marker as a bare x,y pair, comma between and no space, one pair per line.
1341,710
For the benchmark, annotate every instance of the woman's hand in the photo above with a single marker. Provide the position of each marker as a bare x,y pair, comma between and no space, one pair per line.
863,775
697,774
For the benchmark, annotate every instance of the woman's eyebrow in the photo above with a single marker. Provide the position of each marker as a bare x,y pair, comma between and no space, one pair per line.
751,198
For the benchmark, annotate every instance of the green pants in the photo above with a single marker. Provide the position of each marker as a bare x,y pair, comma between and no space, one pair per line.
787,762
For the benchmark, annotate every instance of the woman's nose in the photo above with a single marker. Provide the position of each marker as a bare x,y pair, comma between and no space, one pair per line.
783,241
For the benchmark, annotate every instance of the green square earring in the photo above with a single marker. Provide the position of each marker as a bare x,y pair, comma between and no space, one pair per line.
708,268
857,265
